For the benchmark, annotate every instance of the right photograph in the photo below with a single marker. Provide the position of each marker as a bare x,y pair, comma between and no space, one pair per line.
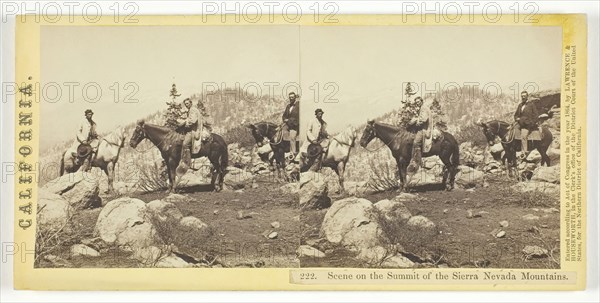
430,146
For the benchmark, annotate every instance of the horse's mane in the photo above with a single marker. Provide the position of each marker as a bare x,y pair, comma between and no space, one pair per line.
346,136
115,136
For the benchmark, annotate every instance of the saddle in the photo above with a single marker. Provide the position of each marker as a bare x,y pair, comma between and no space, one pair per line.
282,134
429,137
514,133
200,137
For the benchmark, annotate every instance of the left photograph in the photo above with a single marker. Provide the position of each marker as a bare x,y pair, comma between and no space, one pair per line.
168,146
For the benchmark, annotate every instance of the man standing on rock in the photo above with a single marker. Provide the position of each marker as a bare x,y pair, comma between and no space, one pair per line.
291,122
527,117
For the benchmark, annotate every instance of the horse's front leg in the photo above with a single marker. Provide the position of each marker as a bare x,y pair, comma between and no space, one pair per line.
402,167
280,165
340,171
213,178
110,173
171,167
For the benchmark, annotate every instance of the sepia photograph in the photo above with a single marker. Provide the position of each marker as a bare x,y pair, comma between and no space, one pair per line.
168,147
377,152
438,147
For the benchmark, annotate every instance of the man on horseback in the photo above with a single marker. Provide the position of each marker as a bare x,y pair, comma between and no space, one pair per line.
317,138
190,124
526,117
423,124
291,121
87,139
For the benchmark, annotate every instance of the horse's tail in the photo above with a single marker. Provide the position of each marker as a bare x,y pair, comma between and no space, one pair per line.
225,159
455,155
62,164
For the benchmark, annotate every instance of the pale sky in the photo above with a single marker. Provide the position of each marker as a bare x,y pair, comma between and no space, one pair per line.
154,57
365,65
370,63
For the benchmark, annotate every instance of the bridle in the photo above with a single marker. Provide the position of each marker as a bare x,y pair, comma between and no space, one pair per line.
141,134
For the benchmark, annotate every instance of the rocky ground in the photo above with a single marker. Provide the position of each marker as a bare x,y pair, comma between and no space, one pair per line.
493,226
254,222
488,220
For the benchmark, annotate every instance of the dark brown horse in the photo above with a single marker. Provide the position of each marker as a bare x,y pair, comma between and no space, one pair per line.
400,142
500,129
270,132
170,142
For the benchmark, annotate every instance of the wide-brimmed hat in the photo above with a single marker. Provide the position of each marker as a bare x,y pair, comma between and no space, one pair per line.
318,110
89,111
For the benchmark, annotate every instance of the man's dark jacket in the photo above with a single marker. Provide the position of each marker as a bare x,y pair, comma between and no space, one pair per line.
527,115
293,116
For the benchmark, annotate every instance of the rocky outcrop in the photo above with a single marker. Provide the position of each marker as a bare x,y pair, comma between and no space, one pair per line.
81,189
353,224
127,223
468,177
313,191
547,174
53,211
393,211
164,211
237,178
358,225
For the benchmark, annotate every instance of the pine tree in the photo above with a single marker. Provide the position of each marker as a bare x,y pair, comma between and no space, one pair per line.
173,109
409,110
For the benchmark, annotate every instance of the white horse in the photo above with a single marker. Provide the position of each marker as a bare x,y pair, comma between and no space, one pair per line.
338,153
106,156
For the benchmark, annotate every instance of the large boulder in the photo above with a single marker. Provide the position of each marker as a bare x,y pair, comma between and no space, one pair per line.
53,211
353,223
237,178
81,189
313,191
468,177
192,179
393,211
126,222
164,211
424,177
547,174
